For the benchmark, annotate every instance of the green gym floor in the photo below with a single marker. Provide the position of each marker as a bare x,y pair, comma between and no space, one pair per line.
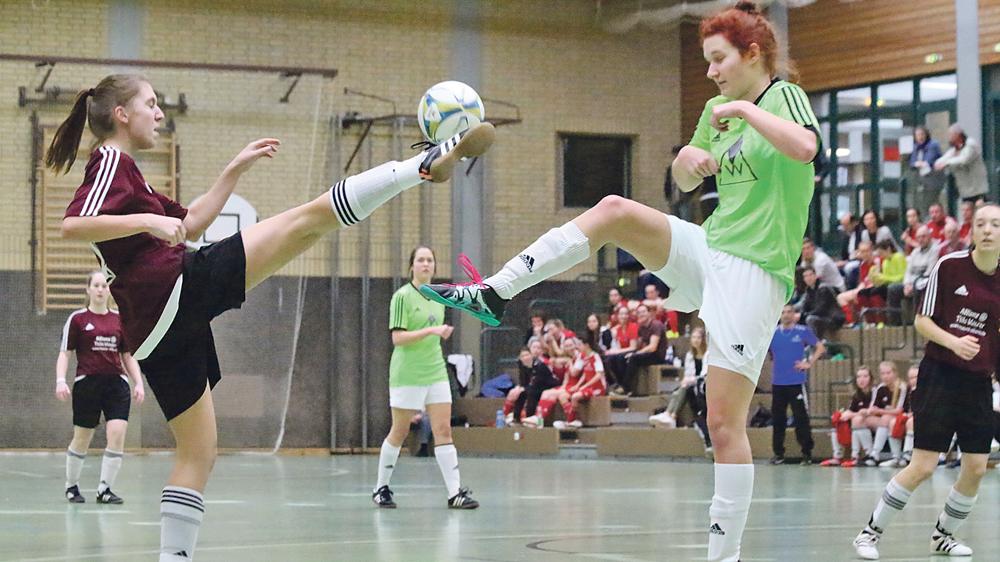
292,508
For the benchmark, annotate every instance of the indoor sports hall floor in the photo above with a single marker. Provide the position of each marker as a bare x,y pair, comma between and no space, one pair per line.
292,508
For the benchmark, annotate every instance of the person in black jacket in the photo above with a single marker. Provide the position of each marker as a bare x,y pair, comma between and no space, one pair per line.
535,377
818,306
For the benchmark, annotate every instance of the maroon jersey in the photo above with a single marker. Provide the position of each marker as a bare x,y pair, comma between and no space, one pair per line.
860,400
142,269
962,300
885,399
97,340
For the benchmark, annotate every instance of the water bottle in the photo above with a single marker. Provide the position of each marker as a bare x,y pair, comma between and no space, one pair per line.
500,420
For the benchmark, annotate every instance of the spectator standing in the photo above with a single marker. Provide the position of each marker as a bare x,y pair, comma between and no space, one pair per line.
928,182
790,369
964,161
822,264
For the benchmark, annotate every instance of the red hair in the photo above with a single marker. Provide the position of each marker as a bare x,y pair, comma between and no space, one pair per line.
743,25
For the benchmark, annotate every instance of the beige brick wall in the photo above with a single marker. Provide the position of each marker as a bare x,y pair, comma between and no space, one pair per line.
547,57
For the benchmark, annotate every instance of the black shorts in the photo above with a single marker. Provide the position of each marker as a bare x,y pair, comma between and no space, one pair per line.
950,401
94,394
185,359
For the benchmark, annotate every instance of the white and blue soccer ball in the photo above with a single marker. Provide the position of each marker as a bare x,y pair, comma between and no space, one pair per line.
447,109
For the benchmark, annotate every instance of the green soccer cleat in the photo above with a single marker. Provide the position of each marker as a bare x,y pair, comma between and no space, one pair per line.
475,298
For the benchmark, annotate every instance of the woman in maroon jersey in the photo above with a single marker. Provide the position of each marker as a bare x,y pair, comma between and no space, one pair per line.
167,296
960,319
95,334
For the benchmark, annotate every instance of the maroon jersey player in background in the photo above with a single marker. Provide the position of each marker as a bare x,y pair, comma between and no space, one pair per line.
95,335
960,318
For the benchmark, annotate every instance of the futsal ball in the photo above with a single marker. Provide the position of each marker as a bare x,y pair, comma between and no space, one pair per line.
448,108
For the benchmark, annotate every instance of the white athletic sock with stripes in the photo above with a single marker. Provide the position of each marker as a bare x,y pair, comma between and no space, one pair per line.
356,197
181,512
74,466
908,442
881,436
553,253
387,458
893,500
729,510
956,509
109,469
447,459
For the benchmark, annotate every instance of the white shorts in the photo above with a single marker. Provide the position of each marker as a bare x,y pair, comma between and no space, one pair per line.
416,397
739,302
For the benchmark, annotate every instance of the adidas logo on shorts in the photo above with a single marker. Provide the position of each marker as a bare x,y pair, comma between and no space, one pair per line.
738,348
529,262
715,529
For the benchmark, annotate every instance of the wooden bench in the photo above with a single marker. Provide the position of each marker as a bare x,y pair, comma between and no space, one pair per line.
482,412
648,379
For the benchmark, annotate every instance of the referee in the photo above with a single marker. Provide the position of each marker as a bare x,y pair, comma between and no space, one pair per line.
959,318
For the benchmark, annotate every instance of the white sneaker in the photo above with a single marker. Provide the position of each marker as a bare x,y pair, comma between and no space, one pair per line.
530,421
509,418
891,463
663,419
559,424
866,546
575,424
946,545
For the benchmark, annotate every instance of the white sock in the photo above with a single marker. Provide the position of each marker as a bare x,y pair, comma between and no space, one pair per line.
893,500
729,510
861,438
74,466
356,197
109,469
386,463
881,436
553,253
447,459
956,509
181,512
896,446
908,442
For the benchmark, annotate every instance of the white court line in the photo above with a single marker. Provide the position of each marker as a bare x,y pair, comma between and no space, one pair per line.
55,512
145,523
304,504
610,556
540,497
465,538
28,474
224,502
691,546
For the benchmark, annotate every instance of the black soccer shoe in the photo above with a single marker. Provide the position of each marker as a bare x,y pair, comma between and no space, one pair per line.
462,500
109,497
383,498
439,161
73,495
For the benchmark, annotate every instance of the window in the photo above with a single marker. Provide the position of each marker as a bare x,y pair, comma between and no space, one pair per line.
594,166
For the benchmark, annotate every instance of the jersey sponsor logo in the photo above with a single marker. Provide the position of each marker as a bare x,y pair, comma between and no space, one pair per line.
738,348
529,262
970,321
734,167
88,327
715,529
962,291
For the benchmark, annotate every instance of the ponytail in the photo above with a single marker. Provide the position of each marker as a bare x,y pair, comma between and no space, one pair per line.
66,143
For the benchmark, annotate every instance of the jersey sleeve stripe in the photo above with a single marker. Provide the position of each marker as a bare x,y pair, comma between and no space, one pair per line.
65,335
108,179
931,292
803,105
97,181
792,108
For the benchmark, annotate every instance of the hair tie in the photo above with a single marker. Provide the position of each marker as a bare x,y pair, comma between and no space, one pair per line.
90,92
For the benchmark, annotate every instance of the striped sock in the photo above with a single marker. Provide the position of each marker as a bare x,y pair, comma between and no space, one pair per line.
893,500
74,466
356,197
109,469
181,512
956,510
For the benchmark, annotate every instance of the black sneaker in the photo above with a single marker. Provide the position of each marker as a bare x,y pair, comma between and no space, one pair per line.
778,459
807,460
440,160
107,496
474,298
73,495
383,498
462,500
423,451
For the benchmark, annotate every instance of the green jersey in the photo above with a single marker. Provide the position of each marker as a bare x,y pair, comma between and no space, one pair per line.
763,194
420,363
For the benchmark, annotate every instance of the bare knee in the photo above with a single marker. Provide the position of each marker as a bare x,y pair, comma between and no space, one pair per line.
724,429
973,472
397,434
442,433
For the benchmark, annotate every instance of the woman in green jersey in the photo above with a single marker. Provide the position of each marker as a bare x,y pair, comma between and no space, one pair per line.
418,381
759,139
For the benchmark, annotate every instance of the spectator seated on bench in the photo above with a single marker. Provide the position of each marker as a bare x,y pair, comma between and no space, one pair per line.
849,419
535,378
590,371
